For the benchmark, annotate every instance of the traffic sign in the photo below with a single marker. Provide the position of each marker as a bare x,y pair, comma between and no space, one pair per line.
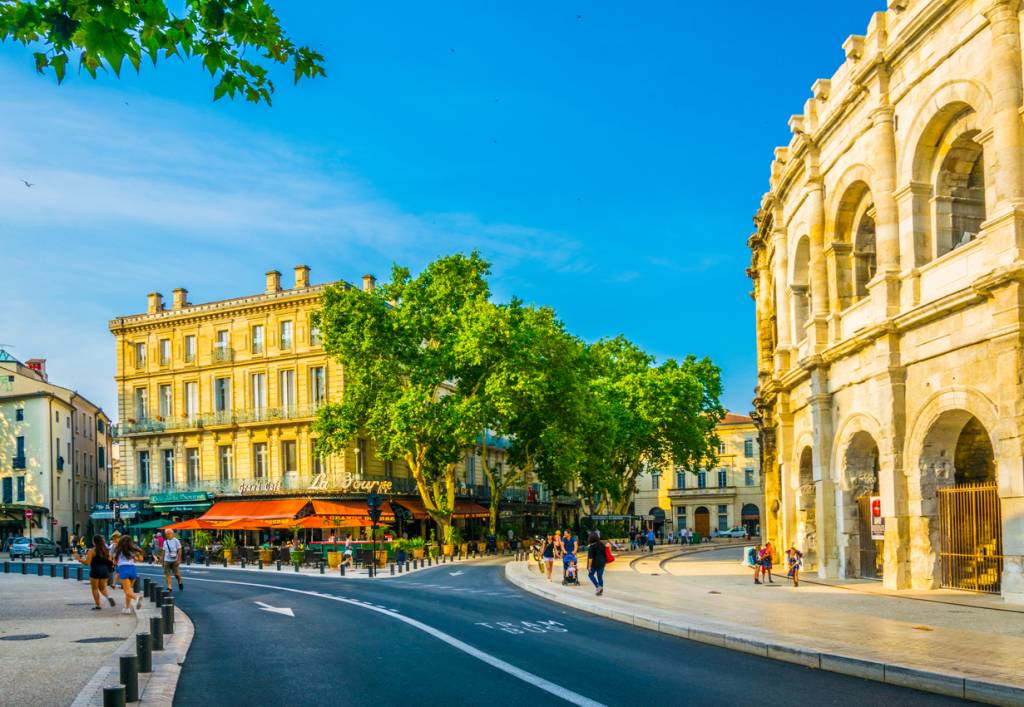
53,521
28,512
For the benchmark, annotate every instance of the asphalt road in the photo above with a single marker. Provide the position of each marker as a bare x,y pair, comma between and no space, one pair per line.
457,635
462,635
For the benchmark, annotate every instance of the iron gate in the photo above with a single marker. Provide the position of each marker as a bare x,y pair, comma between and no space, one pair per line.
970,537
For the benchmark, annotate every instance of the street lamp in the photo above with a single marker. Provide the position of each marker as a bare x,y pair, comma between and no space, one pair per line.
373,504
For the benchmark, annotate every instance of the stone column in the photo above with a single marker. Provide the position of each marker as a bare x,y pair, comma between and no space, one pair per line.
1005,83
885,290
818,320
824,485
780,274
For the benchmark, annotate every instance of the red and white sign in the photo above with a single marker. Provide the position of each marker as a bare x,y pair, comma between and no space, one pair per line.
877,521
28,512
53,521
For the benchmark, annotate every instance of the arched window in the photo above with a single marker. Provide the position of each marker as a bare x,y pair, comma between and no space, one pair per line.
959,195
799,287
856,261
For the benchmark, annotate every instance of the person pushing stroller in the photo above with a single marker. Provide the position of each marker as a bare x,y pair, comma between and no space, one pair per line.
570,568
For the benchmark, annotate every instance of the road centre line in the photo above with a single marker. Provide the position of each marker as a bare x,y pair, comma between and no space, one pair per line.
527,677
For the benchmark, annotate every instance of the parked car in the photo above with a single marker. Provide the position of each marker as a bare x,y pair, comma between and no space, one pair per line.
736,532
36,547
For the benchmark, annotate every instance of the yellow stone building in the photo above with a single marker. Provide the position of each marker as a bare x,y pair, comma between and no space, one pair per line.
727,496
887,267
215,400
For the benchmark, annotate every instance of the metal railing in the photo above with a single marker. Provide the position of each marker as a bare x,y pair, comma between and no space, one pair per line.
971,538
231,417
223,353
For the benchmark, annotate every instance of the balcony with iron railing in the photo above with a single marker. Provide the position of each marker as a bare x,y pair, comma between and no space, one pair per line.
222,354
19,462
158,425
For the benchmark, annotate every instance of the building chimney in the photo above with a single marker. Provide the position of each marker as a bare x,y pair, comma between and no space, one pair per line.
180,298
273,281
38,365
301,276
155,303
369,282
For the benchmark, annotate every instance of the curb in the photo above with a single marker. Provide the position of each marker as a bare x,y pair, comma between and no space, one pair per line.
156,689
903,676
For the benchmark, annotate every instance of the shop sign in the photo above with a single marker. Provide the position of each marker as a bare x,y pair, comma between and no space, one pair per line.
877,520
320,482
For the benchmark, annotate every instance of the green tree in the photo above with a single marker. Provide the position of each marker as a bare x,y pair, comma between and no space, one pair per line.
654,415
236,40
528,368
406,382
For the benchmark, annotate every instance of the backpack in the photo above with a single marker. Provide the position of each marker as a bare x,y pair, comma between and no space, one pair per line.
608,556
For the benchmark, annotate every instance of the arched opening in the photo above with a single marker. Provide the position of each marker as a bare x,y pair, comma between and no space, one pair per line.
806,511
951,160
799,287
960,505
702,521
863,551
750,516
856,261
657,516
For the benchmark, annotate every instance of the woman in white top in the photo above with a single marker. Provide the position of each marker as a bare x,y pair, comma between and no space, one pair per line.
124,557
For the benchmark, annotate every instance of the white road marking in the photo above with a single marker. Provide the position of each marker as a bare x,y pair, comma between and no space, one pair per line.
495,662
283,610
456,574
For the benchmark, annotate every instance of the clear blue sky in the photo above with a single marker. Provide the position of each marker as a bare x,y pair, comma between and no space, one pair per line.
608,166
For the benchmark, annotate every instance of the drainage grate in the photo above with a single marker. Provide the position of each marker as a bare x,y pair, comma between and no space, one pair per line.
100,639
25,637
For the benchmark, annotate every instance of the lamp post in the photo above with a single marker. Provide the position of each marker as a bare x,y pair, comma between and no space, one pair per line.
373,504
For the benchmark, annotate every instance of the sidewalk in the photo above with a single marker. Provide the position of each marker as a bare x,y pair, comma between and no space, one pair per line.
954,643
77,655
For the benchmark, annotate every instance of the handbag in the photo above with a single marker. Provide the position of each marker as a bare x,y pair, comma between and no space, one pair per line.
608,556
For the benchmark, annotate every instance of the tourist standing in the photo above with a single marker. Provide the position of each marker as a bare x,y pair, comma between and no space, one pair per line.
795,559
754,559
650,540
597,558
99,563
767,560
632,538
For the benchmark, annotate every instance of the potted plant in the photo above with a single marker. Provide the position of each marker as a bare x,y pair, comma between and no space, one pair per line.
201,541
381,554
416,547
227,544
267,554
448,547
400,550
481,546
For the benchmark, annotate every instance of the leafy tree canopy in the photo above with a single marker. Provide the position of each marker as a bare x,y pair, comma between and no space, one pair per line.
235,39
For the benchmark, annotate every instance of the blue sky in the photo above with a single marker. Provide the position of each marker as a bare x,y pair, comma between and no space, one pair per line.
608,165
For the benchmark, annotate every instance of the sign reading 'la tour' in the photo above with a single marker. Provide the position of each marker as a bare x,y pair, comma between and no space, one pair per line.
320,482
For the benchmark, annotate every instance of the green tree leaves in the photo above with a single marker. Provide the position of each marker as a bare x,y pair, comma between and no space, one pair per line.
234,39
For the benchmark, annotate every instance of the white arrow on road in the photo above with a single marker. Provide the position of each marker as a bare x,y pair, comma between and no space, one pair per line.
283,610
455,574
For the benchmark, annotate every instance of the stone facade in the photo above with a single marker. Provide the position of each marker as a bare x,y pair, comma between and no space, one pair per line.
888,274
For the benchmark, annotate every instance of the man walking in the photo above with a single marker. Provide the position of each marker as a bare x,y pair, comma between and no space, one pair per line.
172,559
650,540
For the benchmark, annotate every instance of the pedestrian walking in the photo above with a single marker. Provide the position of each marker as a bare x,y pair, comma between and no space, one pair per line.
548,555
126,554
172,559
346,555
100,565
650,540
632,538
111,548
767,560
795,560
597,560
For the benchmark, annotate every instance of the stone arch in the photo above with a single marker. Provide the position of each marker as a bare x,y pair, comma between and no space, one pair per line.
806,521
702,521
750,518
854,234
859,482
800,287
955,441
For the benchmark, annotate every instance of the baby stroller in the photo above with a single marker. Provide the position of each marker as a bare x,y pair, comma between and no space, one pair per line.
570,572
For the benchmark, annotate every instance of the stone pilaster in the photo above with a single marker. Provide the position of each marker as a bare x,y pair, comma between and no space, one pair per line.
817,322
780,272
824,484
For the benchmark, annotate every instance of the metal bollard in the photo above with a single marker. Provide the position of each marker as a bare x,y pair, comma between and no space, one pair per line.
341,569
167,611
225,562
53,570
392,569
207,560
159,593
321,567
243,563
261,564
407,565
156,630
399,568
113,696
146,582
279,565
430,561
7,567
296,566
39,569
144,649
129,665
78,573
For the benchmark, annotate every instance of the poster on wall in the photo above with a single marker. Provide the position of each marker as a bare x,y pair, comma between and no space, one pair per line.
877,521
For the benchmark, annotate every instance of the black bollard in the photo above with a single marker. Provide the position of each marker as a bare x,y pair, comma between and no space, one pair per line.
113,696
207,559
399,568
296,566
392,569
7,567
129,665
243,563
430,561
39,569
167,611
225,562
261,564
321,567
279,565
24,569
156,630
53,570
78,573
407,565
144,649
146,582
341,569
159,593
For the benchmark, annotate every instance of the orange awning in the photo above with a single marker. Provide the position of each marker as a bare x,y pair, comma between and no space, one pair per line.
470,509
348,509
328,522
191,524
283,509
